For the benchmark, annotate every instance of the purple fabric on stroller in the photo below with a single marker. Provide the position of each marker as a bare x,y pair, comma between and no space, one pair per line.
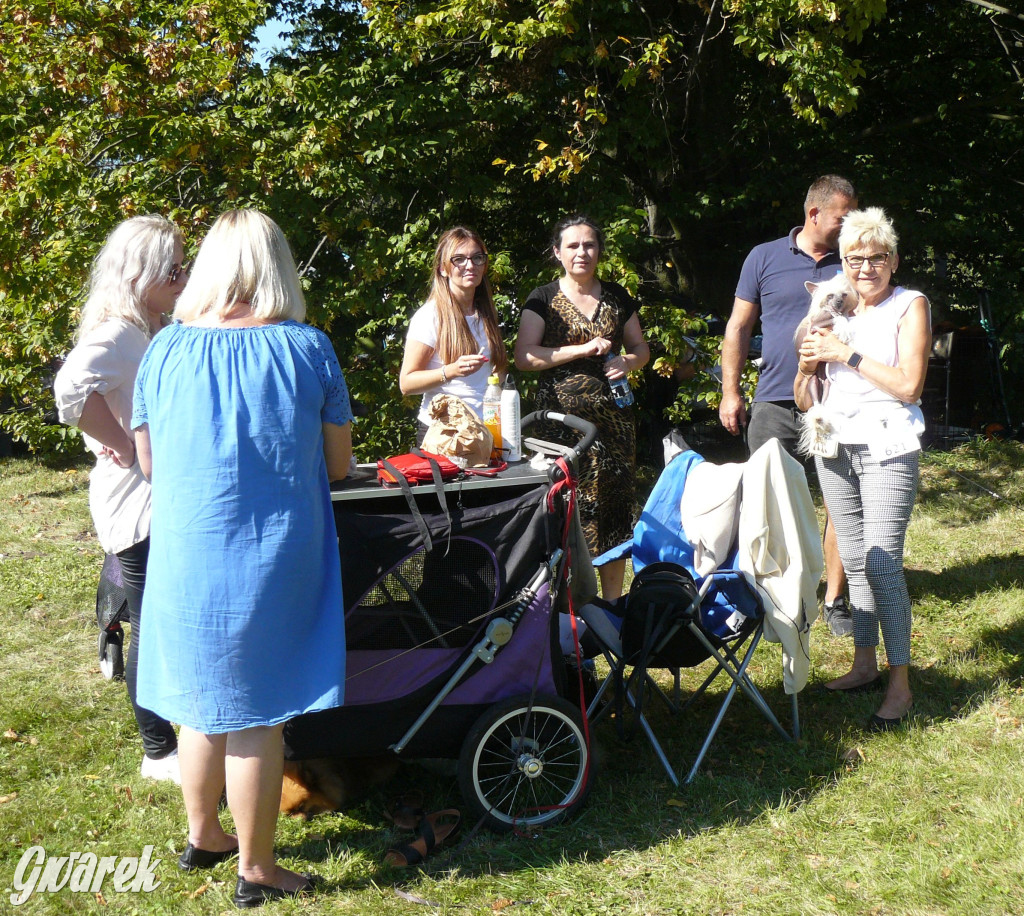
413,616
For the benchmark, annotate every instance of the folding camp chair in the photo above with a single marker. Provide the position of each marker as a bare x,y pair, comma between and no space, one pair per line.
675,617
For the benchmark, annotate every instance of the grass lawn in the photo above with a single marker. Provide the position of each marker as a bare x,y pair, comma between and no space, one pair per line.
925,821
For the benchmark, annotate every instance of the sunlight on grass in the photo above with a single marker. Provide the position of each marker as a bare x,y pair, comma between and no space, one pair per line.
926,821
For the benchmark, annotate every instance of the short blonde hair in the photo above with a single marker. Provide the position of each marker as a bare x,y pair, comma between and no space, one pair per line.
867,228
244,258
137,255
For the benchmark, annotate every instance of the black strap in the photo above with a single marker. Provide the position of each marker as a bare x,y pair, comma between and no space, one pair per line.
410,499
435,472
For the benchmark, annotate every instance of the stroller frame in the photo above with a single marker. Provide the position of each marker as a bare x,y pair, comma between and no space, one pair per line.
492,701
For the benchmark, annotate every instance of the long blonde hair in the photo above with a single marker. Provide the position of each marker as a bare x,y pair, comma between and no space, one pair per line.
244,258
137,254
454,339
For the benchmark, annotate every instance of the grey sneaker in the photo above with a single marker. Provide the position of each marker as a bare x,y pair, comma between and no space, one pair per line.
838,618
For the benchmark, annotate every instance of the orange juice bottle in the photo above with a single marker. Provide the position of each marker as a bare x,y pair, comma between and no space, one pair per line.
492,414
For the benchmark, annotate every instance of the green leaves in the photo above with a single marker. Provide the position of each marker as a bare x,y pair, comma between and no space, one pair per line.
689,129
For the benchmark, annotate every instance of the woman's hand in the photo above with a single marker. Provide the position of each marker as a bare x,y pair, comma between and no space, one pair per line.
822,346
123,459
616,368
465,365
596,346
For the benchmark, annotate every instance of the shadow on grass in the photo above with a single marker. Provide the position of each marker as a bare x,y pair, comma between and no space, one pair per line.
948,696
633,804
748,770
969,578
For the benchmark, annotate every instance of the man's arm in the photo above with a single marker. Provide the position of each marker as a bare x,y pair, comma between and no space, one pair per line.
732,411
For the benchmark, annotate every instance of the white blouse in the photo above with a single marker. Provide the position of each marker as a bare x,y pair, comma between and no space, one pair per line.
105,360
865,408
470,388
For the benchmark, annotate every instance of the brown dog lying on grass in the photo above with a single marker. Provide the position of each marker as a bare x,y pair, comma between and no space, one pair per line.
312,787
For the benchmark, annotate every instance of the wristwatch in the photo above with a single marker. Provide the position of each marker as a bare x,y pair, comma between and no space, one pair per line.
854,361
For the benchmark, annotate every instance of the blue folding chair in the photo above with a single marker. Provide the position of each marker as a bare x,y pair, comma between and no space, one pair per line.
674,619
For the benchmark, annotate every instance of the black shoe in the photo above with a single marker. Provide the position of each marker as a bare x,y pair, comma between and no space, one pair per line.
193,857
878,724
838,617
872,685
249,894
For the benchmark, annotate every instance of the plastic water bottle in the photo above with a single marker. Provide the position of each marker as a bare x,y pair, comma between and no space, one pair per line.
621,391
492,414
511,434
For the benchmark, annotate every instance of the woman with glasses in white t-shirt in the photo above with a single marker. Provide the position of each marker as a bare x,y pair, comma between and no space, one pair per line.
454,335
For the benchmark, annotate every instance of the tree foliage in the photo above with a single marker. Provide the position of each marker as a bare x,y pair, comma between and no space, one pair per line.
689,128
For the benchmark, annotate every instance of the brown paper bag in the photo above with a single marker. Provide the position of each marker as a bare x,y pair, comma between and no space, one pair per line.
456,432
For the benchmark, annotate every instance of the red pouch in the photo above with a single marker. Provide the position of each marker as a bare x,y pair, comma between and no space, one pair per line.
415,467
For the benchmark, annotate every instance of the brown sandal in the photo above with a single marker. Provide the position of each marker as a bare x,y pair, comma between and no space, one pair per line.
433,832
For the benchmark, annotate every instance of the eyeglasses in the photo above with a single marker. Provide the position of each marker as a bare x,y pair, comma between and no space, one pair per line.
176,272
459,260
875,260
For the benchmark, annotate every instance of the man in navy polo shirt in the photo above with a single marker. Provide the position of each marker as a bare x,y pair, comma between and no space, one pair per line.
771,286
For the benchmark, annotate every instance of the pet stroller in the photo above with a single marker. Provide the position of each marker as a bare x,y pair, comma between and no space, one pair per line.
111,612
452,638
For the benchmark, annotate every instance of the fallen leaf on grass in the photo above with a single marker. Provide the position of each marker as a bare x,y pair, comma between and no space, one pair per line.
4,799
676,803
12,735
854,755
100,899
412,898
499,905
851,885
815,862
199,891
946,872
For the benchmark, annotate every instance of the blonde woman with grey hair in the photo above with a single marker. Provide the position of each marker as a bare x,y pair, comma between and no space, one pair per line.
242,418
868,468
136,279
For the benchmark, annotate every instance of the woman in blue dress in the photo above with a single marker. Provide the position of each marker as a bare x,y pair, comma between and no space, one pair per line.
242,418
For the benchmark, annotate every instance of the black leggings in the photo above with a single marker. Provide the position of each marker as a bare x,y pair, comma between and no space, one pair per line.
158,738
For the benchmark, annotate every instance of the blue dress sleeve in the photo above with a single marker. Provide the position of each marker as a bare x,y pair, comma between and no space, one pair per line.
140,413
336,409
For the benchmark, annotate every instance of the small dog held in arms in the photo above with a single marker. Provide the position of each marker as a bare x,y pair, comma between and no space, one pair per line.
832,302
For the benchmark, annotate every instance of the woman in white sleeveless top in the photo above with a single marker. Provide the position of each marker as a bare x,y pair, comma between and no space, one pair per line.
874,383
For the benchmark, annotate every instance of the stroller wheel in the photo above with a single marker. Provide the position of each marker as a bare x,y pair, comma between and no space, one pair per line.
112,654
523,766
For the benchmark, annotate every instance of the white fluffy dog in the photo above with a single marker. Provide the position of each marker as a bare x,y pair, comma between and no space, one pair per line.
831,304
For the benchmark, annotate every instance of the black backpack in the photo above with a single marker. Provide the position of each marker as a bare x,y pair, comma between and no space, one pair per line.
661,597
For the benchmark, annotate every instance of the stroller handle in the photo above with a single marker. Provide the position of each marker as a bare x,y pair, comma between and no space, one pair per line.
585,427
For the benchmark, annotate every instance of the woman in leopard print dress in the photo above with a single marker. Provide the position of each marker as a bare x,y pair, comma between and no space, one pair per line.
573,332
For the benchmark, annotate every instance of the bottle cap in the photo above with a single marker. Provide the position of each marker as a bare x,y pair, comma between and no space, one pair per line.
492,380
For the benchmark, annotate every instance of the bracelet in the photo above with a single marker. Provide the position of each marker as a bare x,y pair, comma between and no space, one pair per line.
806,374
444,376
